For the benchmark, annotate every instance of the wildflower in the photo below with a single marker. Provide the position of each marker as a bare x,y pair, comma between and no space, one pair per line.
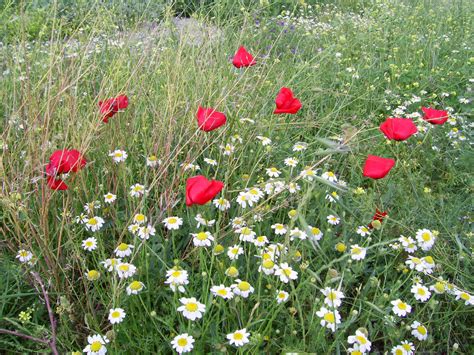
282,296
227,149
421,292
139,218
308,173
173,223
279,229
332,197
91,206
340,247
242,58
109,197
297,233
177,279
221,203
96,345
398,129
146,231
316,233
202,221
286,273
286,102
94,224
209,119
135,287
363,231
293,187
292,162
299,147
415,263
124,250
232,271
137,190
419,331
333,298
377,217
238,222
330,176
255,194
89,244
265,141
191,308
333,220
246,234
134,228
359,191
218,249
433,116
189,166
361,339
152,161
234,252
408,244
439,287
116,315
329,318
242,288
200,190
183,343
377,167
273,172
110,107
425,239
111,264
118,155
244,199
63,162
24,255
92,275
126,270
222,291
464,296
239,337
268,267
25,317
400,308
202,239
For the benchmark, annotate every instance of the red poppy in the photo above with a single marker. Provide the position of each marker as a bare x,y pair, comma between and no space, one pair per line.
62,162
434,116
209,119
398,129
286,102
200,190
378,216
377,167
242,58
110,107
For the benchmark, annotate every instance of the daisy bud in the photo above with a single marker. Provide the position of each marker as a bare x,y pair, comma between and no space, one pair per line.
376,224
332,273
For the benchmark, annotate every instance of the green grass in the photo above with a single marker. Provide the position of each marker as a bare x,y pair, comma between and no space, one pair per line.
350,66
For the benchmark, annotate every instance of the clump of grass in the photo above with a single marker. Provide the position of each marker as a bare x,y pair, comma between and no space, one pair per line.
351,71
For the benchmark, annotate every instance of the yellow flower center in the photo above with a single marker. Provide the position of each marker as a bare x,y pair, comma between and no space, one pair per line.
246,231
124,267
281,295
361,339
222,292
244,286
287,271
115,314
416,260
407,347
439,286
140,217
426,236
172,220
176,273
421,329
464,296
332,295
421,291
89,243
135,285
182,342
122,247
92,221
201,236
238,336
232,271
23,253
96,346
402,306
398,352
329,317
279,227
356,251
268,264
191,307
118,154
93,274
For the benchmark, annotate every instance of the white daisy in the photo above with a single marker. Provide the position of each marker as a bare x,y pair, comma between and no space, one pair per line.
246,234
330,176
293,187
273,172
140,218
279,229
292,162
300,146
201,221
222,291
221,203
227,149
333,220
173,223
400,308
408,244
96,345
24,255
363,231
183,343
333,298
361,339
134,228
191,308
308,173
357,252
124,250
329,318
234,252
177,279
111,264
260,241
282,296
137,190
94,224
145,232
464,296
89,244
109,197
419,331
118,155
421,292
425,239
239,337
211,162
316,233
135,287
267,266
286,273
116,315
244,199
126,270
202,239
265,141
296,233
242,288
152,161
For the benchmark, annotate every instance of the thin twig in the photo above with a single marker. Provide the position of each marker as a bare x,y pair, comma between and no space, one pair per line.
21,335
